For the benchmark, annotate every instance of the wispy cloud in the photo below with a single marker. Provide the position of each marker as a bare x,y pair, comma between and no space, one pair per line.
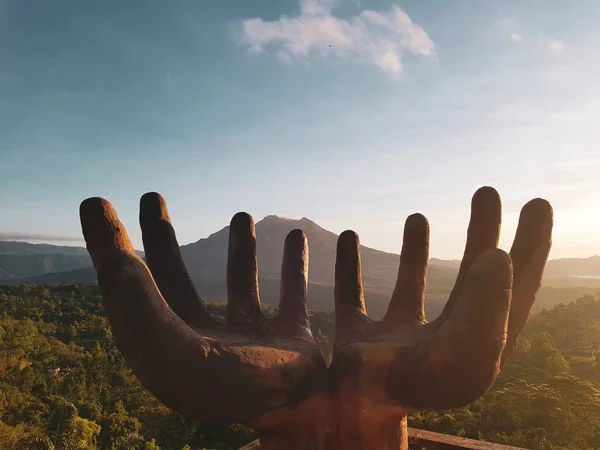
516,37
317,6
379,38
508,28
551,44
17,236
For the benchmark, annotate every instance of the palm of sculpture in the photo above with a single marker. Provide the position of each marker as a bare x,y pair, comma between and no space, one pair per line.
268,373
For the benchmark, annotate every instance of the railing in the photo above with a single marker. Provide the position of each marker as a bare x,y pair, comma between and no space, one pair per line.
437,441
418,439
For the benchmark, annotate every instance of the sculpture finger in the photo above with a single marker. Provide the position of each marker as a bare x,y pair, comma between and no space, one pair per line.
483,234
462,359
243,303
529,254
145,329
406,305
351,321
293,309
163,257
102,229
348,291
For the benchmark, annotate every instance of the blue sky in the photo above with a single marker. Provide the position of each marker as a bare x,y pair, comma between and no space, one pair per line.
354,114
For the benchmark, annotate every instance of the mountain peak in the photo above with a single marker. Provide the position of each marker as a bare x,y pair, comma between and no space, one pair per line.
287,222
307,220
280,217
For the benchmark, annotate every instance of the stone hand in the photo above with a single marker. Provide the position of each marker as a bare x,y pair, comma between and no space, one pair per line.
258,371
401,364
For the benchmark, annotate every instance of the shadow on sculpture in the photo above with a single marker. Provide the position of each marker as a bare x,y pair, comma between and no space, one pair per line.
268,373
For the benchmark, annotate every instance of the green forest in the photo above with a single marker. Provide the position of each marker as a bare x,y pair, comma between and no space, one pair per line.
64,386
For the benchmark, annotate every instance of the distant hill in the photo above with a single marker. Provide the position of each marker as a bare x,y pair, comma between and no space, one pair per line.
452,263
569,267
20,266
79,276
4,275
21,261
26,248
555,268
206,261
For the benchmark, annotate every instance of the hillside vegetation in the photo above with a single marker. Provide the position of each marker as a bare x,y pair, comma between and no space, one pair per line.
63,385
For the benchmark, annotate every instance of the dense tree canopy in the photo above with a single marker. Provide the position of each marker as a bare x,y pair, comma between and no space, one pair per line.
63,384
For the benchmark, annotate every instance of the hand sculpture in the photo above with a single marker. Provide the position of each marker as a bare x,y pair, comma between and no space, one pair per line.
267,373
402,364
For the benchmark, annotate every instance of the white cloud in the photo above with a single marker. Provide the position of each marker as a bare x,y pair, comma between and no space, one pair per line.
317,6
516,37
509,27
555,45
371,37
551,44
389,62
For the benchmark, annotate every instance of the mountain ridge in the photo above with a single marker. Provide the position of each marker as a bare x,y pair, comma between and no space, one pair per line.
206,261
